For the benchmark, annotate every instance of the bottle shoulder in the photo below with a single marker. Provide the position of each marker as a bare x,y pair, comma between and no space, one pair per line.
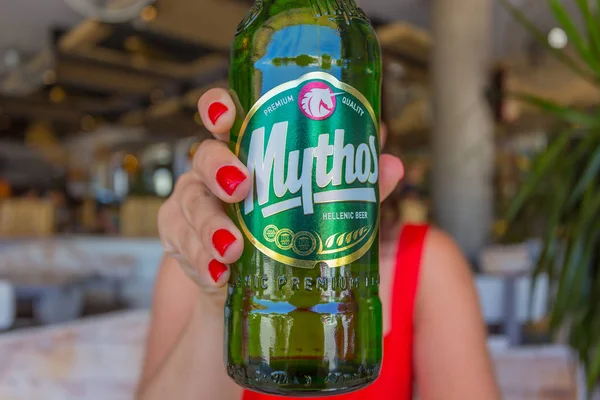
300,30
274,46
276,14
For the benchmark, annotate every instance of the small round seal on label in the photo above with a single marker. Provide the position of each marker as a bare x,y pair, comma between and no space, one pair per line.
304,243
270,232
284,238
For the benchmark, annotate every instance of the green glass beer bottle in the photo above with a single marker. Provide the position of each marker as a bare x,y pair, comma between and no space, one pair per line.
303,316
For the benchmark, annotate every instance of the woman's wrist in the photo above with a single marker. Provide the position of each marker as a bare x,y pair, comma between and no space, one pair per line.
211,304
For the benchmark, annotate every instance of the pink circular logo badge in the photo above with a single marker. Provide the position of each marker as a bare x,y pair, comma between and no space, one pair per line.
317,100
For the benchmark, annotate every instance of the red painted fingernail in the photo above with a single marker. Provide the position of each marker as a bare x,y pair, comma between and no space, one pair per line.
230,177
216,269
216,110
222,239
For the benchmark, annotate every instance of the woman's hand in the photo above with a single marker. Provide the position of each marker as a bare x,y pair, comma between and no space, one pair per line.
193,226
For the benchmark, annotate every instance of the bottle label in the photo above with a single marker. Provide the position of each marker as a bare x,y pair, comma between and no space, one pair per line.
312,149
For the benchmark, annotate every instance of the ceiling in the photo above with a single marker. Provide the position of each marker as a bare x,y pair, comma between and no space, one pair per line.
26,25
76,73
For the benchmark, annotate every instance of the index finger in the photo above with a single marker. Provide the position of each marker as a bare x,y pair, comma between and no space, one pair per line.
217,110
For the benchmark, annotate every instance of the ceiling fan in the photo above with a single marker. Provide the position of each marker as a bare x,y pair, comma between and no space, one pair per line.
110,11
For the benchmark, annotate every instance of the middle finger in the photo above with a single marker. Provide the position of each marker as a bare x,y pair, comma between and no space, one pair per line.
221,171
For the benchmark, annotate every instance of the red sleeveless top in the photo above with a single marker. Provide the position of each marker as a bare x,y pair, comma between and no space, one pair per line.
396,379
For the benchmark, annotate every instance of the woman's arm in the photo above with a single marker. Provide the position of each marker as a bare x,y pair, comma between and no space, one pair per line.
451,356
174,298
184,353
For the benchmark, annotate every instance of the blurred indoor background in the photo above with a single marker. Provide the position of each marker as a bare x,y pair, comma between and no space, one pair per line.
98,120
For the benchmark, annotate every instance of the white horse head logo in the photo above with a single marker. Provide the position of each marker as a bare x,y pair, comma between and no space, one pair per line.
318,102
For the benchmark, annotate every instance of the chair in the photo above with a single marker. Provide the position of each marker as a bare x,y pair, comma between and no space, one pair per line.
26,218
505,287
7,305
139,216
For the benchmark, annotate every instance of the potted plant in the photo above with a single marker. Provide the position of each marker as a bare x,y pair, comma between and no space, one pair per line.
563,187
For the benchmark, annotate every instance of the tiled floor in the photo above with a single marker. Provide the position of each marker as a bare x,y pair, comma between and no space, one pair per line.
99,360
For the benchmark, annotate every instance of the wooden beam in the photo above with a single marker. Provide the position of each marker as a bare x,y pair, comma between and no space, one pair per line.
406,40
84,36
178,125
164,109
105,79
170,107
40,110
211,23
152,67
190,99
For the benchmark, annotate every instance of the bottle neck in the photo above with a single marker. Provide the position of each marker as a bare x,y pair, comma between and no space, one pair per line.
346,8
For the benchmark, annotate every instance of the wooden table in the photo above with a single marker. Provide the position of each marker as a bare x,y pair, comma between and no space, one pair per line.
93,359
57,295
125,268
100,358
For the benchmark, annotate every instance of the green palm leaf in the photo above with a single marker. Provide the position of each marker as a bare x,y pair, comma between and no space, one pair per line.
592,26
545,263
567,114
571,277
554,212
579,42
590,175
560,55
594,368
563,189
541,168
573,281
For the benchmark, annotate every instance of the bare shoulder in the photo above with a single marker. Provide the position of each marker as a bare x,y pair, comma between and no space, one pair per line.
440,247
446,283
451,357
443,263
446,277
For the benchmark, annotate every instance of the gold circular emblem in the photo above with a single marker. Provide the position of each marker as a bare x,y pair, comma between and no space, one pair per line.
304,243
284,239
270,232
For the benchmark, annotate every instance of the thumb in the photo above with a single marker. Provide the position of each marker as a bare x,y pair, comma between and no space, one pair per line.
391,171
